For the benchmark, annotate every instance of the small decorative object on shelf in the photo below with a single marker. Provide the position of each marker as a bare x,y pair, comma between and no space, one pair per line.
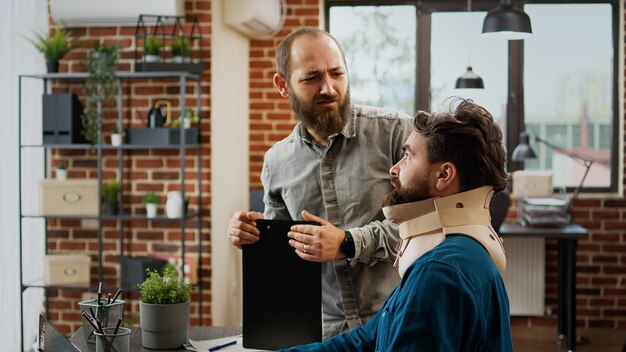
152,49
100,86
61,172
181,50
150,200
174,205
164,309
116,137
189,118
181,34
53,47
110,193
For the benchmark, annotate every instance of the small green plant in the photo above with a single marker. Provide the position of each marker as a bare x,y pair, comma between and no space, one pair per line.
166,288
181,46
62,166
189,114
110,191
153,45
53,47
100,85
150,198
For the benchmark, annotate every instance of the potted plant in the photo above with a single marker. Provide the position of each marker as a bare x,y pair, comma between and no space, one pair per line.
150,200
99,87
152,49
189,118
181,50
110,193
61,172
116,137
164,309
53,47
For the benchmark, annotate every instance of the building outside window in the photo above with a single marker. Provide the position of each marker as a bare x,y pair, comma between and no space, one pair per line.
560,84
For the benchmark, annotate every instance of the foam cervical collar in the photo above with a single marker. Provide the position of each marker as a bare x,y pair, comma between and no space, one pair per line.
426,223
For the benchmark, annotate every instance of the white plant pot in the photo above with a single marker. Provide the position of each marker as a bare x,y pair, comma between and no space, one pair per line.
116,139
151,58
61,174
181,59
151,210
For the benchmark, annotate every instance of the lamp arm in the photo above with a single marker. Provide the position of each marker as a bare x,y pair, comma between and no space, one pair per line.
570,206
564,151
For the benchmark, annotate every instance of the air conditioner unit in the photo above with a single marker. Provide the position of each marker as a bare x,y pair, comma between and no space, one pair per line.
99,13
255,18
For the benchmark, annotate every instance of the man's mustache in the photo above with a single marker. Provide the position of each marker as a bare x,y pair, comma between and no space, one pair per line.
325,98
395,182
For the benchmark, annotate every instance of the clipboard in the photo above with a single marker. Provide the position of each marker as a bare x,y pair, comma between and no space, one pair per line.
282,293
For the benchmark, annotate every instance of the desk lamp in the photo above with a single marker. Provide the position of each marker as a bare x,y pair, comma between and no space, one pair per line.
523,151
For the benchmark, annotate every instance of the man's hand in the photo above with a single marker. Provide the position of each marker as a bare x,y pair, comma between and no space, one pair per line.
317,243
242,228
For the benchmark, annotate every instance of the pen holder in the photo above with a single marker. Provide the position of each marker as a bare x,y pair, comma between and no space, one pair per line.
113,342
106,314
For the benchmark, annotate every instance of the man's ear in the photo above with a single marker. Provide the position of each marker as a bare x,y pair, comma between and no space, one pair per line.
447,178
281,85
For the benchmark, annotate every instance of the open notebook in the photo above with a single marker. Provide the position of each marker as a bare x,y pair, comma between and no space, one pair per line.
50,339
282,294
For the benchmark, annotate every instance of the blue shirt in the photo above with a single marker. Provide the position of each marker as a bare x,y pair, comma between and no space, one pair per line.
345,183
450,299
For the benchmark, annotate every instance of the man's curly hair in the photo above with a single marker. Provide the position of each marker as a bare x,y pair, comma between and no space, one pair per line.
470,139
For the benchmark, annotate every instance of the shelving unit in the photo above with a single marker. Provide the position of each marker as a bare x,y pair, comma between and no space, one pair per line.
122,78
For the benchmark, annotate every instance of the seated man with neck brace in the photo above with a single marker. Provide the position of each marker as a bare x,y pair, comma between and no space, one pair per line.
451,296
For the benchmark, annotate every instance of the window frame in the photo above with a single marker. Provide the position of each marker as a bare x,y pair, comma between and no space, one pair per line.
515,97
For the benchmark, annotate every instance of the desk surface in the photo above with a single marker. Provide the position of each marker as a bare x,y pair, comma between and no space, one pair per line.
569,231
195,333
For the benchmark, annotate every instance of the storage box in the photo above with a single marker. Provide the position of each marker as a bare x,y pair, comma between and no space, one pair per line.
161,136
134,269
69,197
532,183
66,269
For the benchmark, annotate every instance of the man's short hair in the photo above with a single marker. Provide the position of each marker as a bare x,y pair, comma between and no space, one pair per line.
470,139
283,51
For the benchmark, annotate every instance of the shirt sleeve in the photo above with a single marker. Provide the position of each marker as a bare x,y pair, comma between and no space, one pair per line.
362,339
379,240
274,205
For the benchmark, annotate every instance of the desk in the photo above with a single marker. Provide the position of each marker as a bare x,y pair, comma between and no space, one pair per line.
195,333
567,238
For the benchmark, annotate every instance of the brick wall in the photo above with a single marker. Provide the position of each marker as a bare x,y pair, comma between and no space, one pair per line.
601,259
156,170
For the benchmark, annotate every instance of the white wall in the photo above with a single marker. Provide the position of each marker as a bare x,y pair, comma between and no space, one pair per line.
229,162
19,18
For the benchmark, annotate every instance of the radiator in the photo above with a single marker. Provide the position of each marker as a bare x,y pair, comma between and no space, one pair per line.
524,276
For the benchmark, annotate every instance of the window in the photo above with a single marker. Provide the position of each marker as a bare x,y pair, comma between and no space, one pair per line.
560,84
379,42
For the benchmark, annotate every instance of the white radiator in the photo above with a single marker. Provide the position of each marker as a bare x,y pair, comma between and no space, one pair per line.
524,276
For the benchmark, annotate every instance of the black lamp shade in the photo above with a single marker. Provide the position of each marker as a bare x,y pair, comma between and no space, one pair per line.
507,22
523,150
469,80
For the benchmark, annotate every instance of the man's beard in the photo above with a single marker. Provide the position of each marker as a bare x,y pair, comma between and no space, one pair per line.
416,191
323,120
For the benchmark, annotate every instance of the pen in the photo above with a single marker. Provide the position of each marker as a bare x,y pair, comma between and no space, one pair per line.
119,290
99,292
219,347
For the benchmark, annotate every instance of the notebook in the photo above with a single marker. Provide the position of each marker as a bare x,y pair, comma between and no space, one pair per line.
282,293
49,339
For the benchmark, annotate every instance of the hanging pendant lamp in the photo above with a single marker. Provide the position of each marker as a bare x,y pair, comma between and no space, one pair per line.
507,22
469,80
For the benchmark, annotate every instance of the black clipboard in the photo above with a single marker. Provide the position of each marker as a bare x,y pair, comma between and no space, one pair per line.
282,293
